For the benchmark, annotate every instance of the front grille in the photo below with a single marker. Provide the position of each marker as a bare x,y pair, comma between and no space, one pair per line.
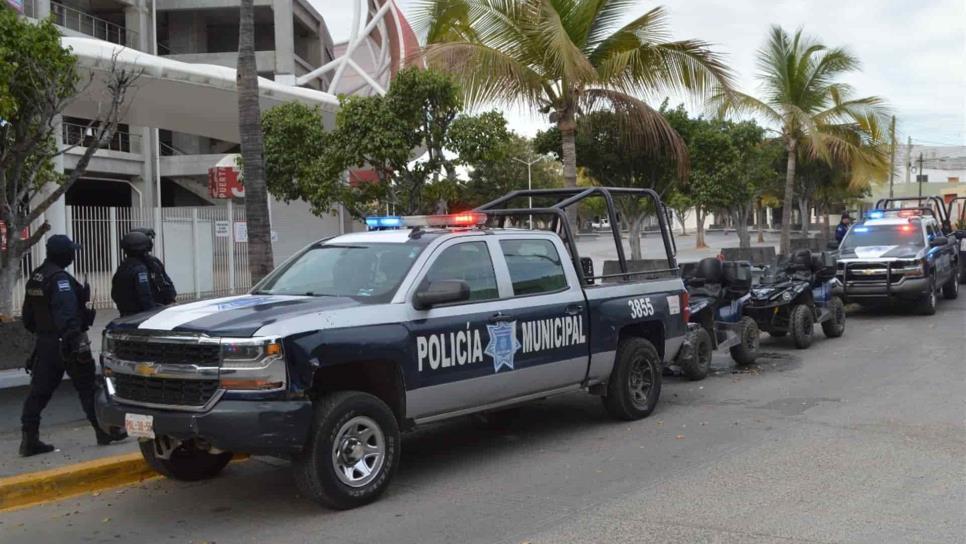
872,273
166,352
164,390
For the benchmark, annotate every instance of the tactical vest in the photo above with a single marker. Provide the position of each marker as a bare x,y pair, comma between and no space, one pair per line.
122,286
38,290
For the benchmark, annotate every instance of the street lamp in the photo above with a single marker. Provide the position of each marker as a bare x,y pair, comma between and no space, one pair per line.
529,180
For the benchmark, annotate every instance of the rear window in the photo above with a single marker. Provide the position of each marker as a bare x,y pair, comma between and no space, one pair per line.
534,266
884,235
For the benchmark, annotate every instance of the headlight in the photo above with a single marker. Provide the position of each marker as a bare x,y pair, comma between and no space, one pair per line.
911,270
252,365
786,296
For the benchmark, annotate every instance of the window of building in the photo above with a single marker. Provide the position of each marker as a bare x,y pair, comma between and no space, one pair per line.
534,266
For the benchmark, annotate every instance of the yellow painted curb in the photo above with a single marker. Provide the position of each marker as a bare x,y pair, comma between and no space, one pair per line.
69,481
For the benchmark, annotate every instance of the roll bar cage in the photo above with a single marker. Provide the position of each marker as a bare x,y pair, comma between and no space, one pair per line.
962,209
570,196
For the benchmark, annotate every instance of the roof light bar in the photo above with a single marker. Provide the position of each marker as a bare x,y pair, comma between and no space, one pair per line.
384,222
875,214
462,219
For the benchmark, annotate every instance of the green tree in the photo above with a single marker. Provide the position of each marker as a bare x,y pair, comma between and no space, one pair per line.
260,258
816,114
714,166
679,200
567,57
38,80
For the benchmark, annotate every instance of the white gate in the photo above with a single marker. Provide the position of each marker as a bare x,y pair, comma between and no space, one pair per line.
196,244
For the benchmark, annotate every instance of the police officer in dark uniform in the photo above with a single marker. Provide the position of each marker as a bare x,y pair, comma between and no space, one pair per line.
57,310
161,284
131,287
843,228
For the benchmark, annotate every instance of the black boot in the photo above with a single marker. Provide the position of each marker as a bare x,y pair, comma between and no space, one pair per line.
30,444
103,438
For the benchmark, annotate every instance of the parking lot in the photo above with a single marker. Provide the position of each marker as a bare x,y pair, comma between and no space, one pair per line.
859,439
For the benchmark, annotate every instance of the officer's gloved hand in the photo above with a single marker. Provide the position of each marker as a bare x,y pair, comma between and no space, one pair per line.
77,349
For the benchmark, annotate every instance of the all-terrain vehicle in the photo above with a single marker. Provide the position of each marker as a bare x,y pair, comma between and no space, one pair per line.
718,293
792,297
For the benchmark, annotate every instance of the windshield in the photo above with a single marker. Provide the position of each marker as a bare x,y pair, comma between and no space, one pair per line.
884,235
369,273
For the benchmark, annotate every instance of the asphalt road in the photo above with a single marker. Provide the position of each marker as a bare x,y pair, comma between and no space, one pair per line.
859,439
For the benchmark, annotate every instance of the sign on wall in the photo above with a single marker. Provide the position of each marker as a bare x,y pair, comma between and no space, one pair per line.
241,233
24,234
222,229
224,182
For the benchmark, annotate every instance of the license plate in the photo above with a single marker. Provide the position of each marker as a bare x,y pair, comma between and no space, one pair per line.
962,244
138,425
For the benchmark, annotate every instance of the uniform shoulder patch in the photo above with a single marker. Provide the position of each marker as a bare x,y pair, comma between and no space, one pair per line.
63,285
142,277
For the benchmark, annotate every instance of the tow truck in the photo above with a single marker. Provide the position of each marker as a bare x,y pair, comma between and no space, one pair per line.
899,254
362,335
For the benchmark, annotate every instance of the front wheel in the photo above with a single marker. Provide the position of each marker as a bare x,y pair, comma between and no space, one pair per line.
746,350
635,383
951,289
834,326
802,326
697,367
927,304
182,461
351,453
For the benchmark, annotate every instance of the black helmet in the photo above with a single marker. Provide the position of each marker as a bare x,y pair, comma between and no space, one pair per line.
147,231
136,242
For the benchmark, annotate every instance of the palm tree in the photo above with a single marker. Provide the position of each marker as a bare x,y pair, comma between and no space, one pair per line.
568,57
260,259
816,113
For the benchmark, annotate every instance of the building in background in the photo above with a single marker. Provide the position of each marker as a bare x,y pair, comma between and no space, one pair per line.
183,121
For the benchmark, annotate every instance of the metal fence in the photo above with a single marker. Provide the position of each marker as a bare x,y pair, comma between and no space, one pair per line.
197,245
83,135
85,23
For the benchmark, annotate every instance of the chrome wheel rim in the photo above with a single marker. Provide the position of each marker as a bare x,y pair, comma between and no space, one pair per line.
640,381
359,451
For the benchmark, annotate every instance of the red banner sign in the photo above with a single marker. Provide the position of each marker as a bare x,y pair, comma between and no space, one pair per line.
16,4
24,234
224,182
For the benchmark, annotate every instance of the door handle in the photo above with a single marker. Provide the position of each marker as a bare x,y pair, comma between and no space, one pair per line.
574,309
501,317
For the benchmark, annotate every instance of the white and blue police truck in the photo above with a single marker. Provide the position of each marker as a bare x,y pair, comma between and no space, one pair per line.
365,334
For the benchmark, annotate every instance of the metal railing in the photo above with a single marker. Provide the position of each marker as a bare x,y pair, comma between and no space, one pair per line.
85,23
82,135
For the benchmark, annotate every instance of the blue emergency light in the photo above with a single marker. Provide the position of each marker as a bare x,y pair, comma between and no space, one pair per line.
462,219
875,214
861,229
384,222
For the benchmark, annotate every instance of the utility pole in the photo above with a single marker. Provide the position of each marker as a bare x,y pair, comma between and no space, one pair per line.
920,177
529,164
909,160
892,159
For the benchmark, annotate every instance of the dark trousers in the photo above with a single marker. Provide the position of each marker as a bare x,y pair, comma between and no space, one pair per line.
47,373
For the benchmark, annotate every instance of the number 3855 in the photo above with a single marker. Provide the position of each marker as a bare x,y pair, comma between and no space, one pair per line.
640,307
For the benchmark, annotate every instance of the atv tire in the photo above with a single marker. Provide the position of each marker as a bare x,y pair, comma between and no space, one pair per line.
698,366
834,326
746,351
802,326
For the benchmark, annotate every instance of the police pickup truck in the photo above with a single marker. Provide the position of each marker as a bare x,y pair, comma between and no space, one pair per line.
898,254
361,335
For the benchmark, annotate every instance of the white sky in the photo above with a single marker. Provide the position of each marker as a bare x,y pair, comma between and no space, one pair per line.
913,52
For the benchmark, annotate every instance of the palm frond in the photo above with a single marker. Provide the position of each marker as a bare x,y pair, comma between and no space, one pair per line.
652,27
644,125
562,57
488,75
605,15
725,102
442,20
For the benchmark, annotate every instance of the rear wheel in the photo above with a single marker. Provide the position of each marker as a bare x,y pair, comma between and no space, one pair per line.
802,326
697,367
351,453
746,351
951,289
635,383
834,326
182,461
927,304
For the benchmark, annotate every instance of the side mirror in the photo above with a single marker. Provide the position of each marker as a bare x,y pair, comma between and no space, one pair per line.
441,292
938,241
587,266
832,246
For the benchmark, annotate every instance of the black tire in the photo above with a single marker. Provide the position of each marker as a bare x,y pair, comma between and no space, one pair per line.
697,367
186,462
338,417
951,288
777,334
834,326
746,351
802,326
927,303
628,395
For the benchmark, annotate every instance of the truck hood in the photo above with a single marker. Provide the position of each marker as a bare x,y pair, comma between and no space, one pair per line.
882,252
239,316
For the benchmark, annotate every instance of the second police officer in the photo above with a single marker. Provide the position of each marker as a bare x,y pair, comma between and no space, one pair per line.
131,287
161,285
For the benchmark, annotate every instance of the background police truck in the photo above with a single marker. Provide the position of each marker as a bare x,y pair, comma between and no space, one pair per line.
361,335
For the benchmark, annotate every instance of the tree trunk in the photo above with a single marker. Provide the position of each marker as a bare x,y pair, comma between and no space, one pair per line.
803,211
785,243
681,220
9,271
826,228
699,238
634,236
568,130
761,224
740,218
260,259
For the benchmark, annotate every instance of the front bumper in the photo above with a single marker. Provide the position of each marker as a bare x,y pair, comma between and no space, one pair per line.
904,288
277,427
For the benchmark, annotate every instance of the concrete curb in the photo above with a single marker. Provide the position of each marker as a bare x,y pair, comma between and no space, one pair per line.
72,480
60,483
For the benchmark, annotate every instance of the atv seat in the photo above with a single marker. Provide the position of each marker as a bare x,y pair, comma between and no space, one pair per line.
706,279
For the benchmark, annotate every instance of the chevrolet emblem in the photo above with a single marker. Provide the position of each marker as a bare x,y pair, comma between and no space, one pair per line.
146,369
